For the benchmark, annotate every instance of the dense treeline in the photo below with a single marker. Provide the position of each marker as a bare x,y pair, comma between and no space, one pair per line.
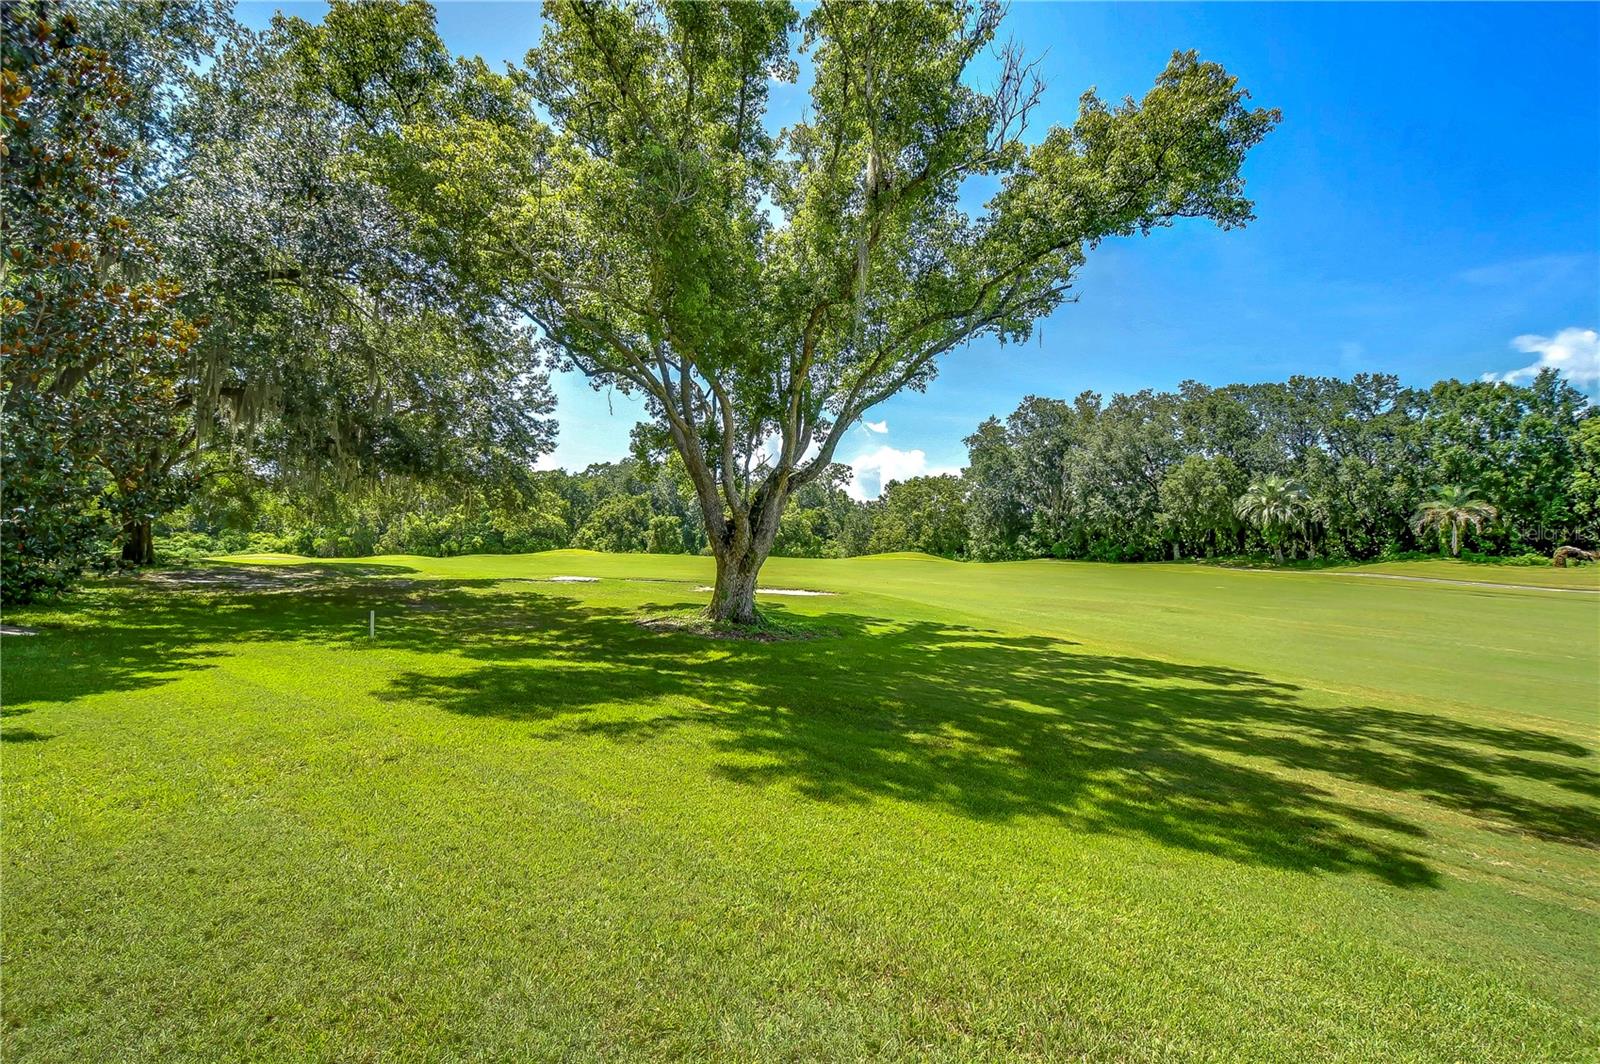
1356,463
1162,475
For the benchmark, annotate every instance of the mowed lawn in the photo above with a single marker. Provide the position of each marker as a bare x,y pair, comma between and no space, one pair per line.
1037,810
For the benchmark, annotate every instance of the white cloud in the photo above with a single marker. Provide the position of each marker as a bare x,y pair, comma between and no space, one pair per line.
872,470
1523,273
1574,353
880,427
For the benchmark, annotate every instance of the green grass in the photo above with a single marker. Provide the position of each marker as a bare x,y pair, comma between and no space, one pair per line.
1033,810
1575,576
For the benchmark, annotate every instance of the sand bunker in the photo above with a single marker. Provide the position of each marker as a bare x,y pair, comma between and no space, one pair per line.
574,579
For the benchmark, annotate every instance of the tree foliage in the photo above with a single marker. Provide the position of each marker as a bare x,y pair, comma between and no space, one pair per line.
1277,506
927,514
1040,483
1198,503
91,337
1452,508
620,525
762,292
204,278
332,343
1143,476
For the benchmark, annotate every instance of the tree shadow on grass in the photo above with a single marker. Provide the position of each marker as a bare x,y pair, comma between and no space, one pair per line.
134,632
13,734
998,727
986,725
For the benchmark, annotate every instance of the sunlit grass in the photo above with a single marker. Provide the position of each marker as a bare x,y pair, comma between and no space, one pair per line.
1032,810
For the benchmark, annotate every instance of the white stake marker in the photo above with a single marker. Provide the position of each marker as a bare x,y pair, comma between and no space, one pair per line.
372,624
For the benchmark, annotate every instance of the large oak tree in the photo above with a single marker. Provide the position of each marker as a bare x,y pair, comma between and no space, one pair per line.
764,291
91,343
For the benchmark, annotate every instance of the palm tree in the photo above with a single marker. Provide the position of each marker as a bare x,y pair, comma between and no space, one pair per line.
1453,506
1275,505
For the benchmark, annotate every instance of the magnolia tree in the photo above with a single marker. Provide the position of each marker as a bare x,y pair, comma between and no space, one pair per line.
763,291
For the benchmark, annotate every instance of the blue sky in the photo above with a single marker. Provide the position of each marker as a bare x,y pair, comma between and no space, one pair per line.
1429,207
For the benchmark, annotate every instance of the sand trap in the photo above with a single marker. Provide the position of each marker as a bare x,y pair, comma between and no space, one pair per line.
16,629
777,591
574,579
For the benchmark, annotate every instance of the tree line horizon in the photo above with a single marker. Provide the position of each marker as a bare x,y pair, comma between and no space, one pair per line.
1134,477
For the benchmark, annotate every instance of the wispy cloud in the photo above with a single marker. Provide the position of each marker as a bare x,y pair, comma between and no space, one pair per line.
879,427
1524,272
874,469
1574,353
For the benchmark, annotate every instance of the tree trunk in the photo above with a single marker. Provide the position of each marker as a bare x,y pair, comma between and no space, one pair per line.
138,542
1277,550
733,600
1455,541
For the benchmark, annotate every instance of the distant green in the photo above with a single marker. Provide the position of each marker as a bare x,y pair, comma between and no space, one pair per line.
1034,810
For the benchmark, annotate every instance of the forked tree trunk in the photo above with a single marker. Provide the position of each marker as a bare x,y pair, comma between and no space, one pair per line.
138,542
734,598
741,531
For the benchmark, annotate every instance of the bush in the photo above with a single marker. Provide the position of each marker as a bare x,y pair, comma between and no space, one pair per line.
1529,559
185,548
267,543
53,523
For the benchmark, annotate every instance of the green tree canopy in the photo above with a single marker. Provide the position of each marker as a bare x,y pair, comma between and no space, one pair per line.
1197,501
1454,507
927,514
764,291
620,525
91,337
331,342
1277,506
